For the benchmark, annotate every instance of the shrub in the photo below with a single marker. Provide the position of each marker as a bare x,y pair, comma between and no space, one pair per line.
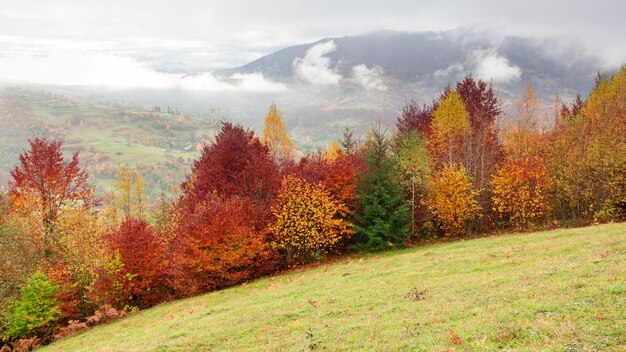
36,312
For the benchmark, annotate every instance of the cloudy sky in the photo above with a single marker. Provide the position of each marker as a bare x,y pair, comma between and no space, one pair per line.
154,42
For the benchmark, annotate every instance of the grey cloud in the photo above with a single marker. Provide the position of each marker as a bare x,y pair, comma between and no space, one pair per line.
188,36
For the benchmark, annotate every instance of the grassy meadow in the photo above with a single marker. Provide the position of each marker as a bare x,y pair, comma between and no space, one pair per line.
560,290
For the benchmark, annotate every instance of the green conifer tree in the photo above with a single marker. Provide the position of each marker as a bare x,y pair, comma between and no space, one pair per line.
384,218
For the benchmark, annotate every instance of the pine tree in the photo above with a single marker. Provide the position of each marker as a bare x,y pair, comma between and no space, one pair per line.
348,143
384,217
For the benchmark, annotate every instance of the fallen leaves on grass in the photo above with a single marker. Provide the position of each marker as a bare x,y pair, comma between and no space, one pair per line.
455,338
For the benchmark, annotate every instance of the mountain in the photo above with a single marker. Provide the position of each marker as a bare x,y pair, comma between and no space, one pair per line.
439,58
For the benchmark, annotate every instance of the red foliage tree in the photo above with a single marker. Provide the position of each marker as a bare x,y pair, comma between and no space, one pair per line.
136,276
340,176
568,112
484,150
68,294
415,118
44,179
236,164
220,222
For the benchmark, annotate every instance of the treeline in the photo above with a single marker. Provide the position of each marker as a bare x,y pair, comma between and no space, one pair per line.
251,208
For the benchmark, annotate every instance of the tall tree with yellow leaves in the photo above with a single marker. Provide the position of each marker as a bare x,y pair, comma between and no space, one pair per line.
275,136
128,199
450,129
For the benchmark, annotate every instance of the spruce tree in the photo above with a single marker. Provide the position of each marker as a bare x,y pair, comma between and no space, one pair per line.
383,220
348,142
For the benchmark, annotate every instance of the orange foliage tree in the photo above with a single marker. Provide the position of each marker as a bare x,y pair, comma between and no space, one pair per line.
307,222
218,246
453,199
520,190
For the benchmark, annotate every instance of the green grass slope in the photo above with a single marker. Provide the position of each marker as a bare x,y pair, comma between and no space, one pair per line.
561,290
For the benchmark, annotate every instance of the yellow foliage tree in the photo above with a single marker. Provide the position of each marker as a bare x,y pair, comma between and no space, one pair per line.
523,138
453,199
307,223
83,248
128,199
450,129
333,152
275,136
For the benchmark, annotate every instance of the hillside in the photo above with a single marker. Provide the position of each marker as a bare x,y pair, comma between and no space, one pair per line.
560,290
106,132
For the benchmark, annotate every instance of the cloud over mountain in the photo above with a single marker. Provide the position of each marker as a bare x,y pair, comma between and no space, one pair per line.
315,68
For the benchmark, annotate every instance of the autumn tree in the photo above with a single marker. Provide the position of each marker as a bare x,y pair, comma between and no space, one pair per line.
383,219
307,222
44,181
340,177
130,192
135,275
522,137
527,108
521,191
235,164
333,152
83,249
412,169
219,222
275,136
450,129
587,155
484,150
217,246
453,199
128,198
415,118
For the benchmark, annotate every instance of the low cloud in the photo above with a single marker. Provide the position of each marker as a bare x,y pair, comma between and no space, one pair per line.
492,67
454,70
369,78
487,65
315,68
118,72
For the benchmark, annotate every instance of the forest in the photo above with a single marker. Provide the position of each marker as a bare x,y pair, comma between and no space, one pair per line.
252,207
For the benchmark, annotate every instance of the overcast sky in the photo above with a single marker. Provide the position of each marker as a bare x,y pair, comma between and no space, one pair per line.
53,41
